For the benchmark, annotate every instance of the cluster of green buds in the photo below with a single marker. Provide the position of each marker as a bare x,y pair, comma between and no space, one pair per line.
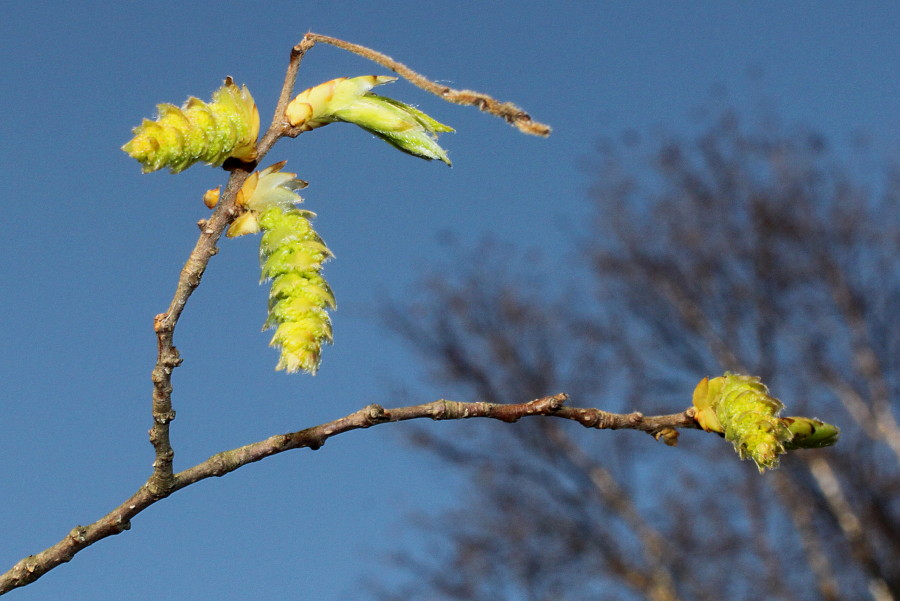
349,100
210,132
291,256
740,408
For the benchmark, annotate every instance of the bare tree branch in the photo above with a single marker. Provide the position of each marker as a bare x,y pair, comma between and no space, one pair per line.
505,110
812,541
118,520
656,582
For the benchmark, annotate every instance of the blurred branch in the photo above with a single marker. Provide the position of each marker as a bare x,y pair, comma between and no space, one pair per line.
749,250
810,539
875,419
851,524
656,582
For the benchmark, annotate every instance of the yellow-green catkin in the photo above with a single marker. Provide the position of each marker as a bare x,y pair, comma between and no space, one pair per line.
740,407
291,255
198,131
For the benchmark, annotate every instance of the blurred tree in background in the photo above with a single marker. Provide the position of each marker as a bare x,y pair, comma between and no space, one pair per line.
754,249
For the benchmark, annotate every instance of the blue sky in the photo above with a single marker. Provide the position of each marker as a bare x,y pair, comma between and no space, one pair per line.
92,248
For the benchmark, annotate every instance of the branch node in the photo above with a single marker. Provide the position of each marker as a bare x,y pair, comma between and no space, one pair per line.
159,322
78,534
160,485
438,409
592,418
556,401
164,417
30,564
374,414
634,418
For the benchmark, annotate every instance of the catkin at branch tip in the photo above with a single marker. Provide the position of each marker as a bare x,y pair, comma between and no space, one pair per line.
741,408
750,418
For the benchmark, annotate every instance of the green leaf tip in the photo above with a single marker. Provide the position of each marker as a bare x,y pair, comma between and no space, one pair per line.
810,433
204,132
741,408
291,257
349,100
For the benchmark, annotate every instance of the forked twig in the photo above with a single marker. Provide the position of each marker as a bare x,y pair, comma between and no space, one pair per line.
163,481
119,519
211,229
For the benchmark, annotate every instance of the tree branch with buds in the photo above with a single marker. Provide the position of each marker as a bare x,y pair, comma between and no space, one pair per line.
223,132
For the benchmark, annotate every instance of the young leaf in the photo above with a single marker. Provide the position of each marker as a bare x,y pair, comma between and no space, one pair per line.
349,100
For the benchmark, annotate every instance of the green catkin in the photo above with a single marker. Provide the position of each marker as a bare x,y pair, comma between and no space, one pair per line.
742,410
291,256
198,132
749,416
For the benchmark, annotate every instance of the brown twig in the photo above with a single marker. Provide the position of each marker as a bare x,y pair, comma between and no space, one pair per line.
279,125
162,480
118,520
164,325
505,110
